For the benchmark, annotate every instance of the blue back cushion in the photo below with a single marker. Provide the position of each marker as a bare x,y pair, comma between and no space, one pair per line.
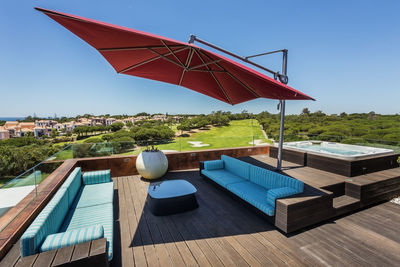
263,177
96,177
213,164
237,167
46,223
269,179
286,181
73,184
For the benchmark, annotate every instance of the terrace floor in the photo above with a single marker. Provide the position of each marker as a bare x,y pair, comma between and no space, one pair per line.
223,232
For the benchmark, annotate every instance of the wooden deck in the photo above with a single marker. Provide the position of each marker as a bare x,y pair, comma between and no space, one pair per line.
223,232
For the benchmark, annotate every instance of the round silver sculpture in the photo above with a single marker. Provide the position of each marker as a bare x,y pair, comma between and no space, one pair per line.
152,164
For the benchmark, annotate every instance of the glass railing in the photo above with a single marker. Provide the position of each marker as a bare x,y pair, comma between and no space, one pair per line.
25,186
178,144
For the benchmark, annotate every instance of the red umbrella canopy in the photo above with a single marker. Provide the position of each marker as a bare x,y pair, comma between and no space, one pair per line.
158,58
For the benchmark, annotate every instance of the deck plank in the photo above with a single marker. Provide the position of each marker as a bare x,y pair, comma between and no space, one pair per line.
63,255
12,256
223,232
125,234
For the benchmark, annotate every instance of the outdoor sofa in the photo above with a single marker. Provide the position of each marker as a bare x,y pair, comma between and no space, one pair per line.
257,186
80,211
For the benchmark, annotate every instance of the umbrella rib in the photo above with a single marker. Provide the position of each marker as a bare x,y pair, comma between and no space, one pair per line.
215,71
234,77
136,48
169,49
167,59
215,78
148,61
205,64
188,60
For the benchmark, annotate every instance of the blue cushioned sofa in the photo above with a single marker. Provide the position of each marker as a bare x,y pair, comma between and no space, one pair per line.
257,186
80,211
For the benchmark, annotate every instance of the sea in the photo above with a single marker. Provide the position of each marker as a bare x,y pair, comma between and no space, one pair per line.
11,118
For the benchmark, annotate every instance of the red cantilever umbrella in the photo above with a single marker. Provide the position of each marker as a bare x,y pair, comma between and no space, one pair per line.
158,58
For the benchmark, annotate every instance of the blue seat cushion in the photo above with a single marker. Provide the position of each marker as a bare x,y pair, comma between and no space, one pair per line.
72,237
46,223
254,194
96,177
222,177
213,164
73,184
281,192
93,215
94,194
237,167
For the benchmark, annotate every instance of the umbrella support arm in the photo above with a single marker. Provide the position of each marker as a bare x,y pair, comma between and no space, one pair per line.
282,77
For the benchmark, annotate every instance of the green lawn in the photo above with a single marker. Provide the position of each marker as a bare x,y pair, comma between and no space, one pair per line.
237,134
61,144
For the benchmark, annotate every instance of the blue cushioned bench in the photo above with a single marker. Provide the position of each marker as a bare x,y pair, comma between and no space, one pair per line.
80,211
257,186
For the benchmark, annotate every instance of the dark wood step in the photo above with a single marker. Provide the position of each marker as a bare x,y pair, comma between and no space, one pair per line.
344,204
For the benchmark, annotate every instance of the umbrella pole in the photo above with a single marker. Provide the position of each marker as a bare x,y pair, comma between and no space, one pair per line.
281,129
282,106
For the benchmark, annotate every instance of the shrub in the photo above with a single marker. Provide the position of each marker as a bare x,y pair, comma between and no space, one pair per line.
93,140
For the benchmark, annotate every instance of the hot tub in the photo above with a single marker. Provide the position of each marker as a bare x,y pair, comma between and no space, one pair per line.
343,159
337,150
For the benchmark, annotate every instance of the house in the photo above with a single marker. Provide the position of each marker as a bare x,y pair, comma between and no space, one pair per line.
85,121
131,119
11,127
17,129
101,120
4,134
159,117
42,131
24,128
59,126
45,123
69,126
110,121
141,118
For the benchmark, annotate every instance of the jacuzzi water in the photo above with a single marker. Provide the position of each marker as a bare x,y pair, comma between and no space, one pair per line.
337,149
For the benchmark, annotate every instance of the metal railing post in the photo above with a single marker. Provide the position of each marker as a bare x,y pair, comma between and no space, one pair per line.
34,175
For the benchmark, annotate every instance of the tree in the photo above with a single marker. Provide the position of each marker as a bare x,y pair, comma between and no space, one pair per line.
371,115
29,134
142,114
129,124
116,126
54,133
107,137
93,140
305,111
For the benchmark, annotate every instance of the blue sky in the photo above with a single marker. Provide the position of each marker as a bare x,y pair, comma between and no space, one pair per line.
343,53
